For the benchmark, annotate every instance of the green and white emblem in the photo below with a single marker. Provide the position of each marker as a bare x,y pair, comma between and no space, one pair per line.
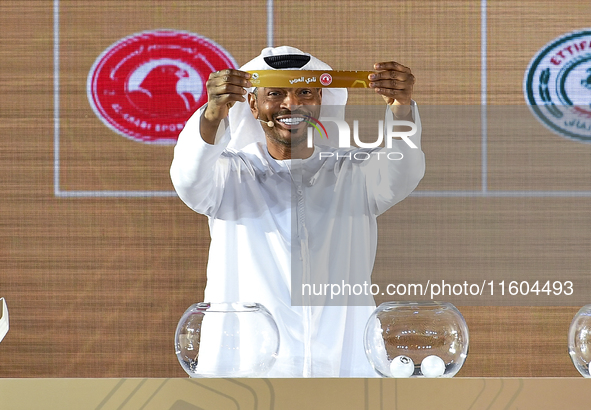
557,85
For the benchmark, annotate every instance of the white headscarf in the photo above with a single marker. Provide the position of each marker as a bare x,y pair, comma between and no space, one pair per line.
245,129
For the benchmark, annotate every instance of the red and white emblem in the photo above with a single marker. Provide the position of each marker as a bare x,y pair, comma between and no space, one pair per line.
325,79
146,86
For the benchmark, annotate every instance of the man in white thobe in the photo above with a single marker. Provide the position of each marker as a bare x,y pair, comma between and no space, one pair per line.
281,215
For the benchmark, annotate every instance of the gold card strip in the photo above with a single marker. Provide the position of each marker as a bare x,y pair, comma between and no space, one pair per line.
310,78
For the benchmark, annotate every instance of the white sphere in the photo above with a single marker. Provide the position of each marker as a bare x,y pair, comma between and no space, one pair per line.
432,366
402,366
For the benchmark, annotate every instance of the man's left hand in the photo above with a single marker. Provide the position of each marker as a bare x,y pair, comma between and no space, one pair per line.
394,82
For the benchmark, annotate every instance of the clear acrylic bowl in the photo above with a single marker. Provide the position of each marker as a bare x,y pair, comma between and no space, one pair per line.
416,339
226,340
579,340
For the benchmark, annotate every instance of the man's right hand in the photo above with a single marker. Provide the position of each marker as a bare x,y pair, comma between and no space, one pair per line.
224,89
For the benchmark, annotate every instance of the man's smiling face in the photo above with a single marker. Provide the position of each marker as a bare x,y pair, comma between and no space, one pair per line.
288,108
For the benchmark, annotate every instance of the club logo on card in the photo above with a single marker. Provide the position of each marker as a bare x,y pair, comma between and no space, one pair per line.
557,85
325,79
146,86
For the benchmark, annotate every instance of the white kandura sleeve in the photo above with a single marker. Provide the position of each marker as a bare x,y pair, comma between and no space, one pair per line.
198,171
390,178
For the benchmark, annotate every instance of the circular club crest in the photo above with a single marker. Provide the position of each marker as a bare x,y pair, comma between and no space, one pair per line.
325,79
557,85
146,86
